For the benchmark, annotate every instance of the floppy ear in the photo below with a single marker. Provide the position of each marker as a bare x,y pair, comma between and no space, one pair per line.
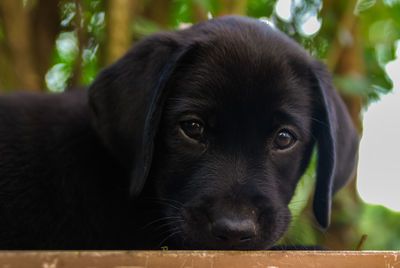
126,101
337,141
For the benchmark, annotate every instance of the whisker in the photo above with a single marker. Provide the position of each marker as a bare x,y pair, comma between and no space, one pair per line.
169,236
169,202
160,219
165,199
169,224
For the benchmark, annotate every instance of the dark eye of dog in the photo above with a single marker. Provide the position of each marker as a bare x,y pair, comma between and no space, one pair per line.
284,139
192,128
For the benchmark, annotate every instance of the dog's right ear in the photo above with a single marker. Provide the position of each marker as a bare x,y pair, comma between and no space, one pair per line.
126,101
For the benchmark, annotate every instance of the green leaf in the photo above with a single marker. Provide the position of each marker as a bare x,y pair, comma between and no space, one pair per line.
89,64
384,31
67,47
181,12
68,11
97,24
382,227
260,8
143,27
363,5
385,53
57,77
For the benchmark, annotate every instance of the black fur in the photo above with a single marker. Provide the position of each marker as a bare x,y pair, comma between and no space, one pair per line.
112,167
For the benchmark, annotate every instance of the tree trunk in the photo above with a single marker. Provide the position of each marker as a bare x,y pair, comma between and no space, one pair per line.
199,12
158,11
16,23
30,33
8,78
119,32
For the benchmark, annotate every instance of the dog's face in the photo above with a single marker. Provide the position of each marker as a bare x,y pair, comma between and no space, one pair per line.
232,146
225,131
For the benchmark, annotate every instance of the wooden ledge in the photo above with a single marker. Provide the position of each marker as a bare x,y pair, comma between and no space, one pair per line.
200,259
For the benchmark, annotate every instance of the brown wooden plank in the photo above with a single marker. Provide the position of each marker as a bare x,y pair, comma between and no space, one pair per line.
199,259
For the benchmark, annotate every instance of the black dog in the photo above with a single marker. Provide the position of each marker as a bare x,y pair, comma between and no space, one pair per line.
195,139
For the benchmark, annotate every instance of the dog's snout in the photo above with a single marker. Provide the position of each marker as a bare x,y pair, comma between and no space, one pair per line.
233,232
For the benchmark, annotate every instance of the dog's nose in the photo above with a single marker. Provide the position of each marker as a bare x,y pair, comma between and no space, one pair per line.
233,232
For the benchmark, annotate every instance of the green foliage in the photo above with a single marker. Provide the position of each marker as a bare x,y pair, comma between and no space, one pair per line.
260,8
360,86
68,51
67,47
142,27
90,63
380,28
382,227
183,11
96,25
363,5
380,22
68,12
302,230
304,188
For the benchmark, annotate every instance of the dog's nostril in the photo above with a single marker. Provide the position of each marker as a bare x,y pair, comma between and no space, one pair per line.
233,232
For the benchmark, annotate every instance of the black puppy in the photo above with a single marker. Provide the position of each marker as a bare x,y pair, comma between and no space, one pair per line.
195,139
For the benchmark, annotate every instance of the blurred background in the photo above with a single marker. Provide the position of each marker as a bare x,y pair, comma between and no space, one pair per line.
57,45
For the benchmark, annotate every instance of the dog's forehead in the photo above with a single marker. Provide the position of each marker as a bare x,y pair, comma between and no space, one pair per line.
248,77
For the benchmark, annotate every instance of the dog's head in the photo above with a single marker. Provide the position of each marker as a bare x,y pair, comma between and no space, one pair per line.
221,119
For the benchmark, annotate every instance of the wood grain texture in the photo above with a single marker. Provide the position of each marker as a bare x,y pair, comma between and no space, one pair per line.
200,259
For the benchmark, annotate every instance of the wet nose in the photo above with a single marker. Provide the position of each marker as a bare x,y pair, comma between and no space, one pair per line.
233,232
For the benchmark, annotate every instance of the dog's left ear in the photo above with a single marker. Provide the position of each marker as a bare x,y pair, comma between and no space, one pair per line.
337,141
126,101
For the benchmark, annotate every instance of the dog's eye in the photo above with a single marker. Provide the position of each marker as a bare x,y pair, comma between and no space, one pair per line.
284,139
194,129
